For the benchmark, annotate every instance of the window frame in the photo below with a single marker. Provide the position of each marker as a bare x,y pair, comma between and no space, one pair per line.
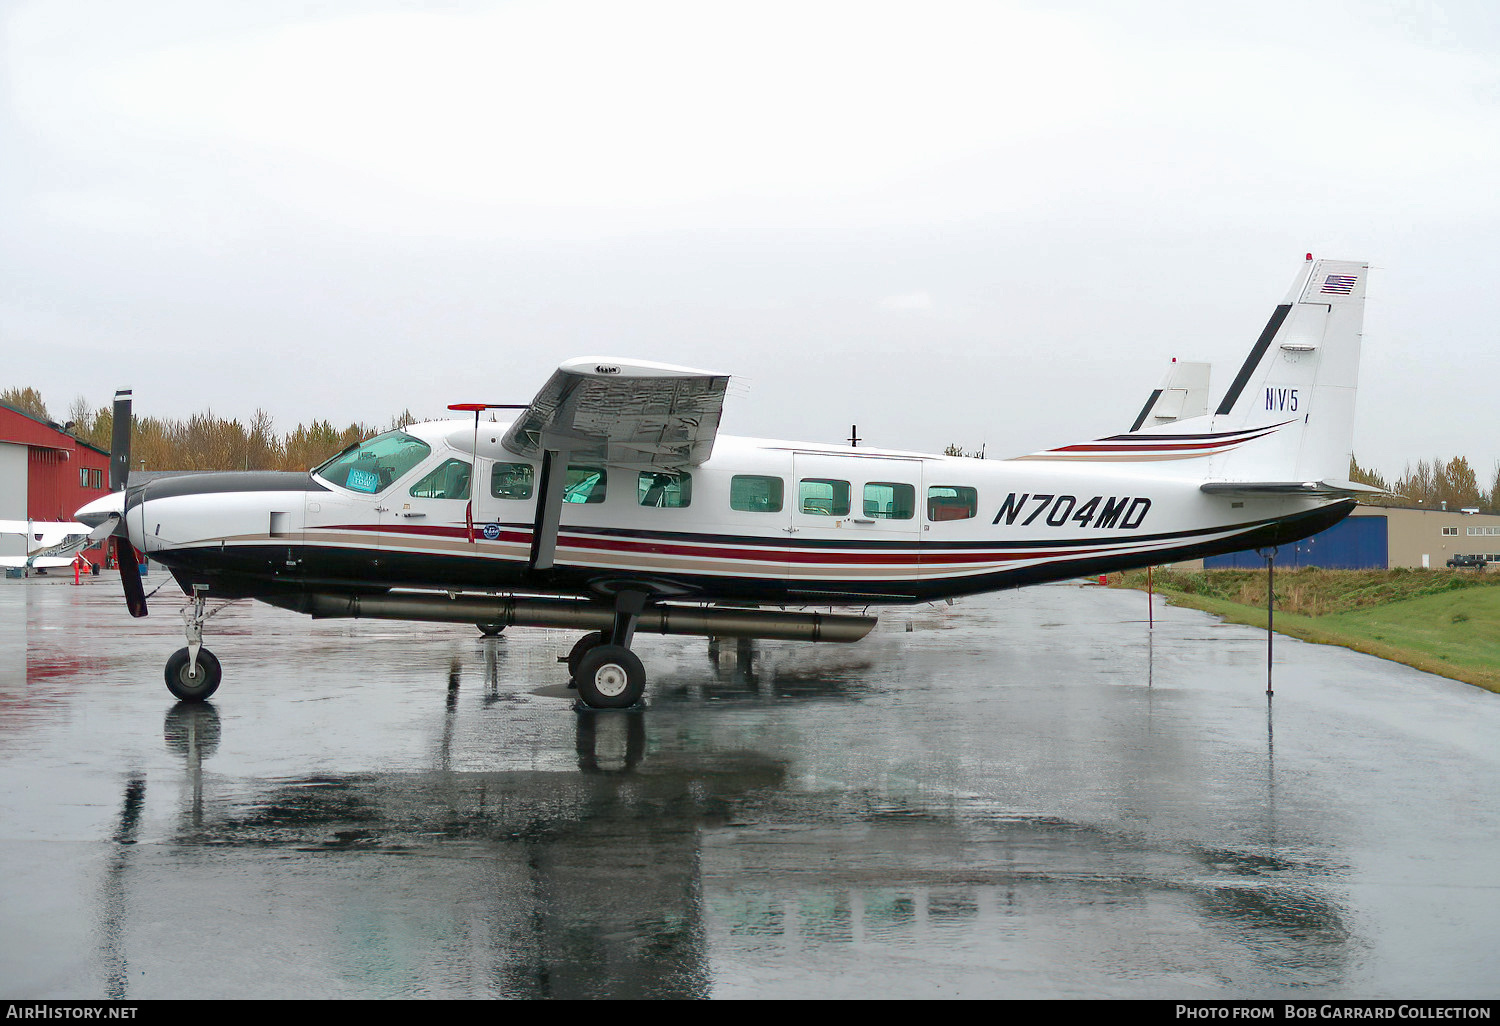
840,501
776,495
896,487
530,481
971,505
431,475
679,480
596,494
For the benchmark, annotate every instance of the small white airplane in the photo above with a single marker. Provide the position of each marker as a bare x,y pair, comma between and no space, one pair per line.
50,544
611,504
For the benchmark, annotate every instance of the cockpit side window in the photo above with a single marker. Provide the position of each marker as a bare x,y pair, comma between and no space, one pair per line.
448,480
375,464
511,481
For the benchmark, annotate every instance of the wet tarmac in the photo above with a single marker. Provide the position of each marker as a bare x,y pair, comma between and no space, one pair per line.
1026,795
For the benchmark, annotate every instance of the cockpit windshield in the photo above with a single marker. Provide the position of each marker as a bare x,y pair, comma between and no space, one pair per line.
375,464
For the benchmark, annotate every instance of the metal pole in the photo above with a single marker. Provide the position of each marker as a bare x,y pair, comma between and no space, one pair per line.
1270,615
1150,593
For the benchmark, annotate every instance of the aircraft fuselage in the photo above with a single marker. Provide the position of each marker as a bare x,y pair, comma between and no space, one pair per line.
761,521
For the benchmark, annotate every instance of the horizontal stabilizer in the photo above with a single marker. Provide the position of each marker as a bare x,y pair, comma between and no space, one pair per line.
1346,489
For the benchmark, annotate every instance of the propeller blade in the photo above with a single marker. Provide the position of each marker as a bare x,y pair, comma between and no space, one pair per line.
130,577
104,530
119,442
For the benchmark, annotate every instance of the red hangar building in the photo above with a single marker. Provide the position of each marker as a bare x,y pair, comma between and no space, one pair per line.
46,473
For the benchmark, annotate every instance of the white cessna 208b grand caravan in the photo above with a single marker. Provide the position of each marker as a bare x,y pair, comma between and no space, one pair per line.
612,505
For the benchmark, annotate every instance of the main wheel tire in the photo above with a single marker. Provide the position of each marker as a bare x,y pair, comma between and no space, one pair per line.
490,630
610,677
190,688
582,647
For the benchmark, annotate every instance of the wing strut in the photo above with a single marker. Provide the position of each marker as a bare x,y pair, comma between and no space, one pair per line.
549,503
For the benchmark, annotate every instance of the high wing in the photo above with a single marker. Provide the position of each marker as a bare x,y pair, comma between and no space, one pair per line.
34,562
626,413
43,532
49,543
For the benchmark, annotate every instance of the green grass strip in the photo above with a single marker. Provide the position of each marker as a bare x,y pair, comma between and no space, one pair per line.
1443,622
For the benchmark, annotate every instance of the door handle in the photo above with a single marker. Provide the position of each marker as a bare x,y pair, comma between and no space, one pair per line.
862,520
411,514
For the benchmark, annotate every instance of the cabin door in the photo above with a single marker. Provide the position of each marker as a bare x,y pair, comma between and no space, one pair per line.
857,520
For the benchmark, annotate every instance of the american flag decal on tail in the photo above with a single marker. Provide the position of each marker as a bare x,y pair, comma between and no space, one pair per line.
1339,284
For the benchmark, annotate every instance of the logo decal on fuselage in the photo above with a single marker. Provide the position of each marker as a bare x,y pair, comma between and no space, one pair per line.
1098,511
491,531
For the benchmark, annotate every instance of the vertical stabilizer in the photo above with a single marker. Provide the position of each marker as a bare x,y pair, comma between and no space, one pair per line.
1300,378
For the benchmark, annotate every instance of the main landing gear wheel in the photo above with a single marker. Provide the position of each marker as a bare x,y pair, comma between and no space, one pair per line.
193,687
610,677
582,647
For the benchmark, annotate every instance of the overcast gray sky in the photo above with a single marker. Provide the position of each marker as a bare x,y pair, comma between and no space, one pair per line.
984,223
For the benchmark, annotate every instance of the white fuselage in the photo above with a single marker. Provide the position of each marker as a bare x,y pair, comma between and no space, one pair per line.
852,525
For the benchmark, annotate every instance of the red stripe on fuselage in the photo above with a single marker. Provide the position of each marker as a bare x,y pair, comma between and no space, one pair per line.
911,556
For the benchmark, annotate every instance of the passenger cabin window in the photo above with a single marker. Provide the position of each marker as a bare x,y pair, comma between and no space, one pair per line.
375,464
820,497
751,493
951,502
448,480
585,484
663,490
889,500
511,481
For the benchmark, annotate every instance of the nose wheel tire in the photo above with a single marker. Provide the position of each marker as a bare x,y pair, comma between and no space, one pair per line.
193,687
610,677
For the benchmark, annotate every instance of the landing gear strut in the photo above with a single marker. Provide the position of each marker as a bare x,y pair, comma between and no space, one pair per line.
607,674
193,673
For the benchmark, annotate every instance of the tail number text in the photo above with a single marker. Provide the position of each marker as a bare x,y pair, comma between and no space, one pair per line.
1100,511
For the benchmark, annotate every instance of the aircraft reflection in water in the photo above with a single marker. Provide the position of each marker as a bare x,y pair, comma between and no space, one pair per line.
659,858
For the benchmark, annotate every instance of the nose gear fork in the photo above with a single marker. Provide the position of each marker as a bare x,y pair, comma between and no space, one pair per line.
192,625
193,673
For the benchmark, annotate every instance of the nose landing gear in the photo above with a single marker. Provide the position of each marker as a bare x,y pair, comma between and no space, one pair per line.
193,673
